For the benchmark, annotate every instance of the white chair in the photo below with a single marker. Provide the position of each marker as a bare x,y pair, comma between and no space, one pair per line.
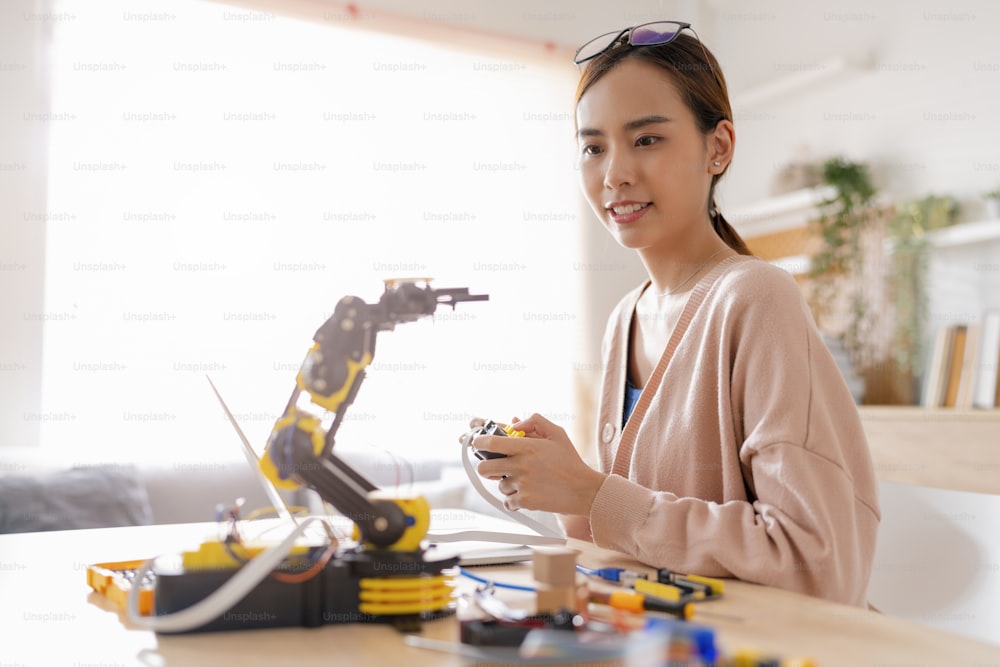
937,561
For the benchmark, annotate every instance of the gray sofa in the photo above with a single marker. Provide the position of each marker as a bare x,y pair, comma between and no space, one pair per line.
37,494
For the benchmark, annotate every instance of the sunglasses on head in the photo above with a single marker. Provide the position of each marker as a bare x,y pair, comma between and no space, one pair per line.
656,33
647,34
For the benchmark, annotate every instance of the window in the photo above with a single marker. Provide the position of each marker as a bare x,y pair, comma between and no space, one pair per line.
219,178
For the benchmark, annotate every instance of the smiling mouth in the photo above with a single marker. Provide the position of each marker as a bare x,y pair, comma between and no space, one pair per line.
627,208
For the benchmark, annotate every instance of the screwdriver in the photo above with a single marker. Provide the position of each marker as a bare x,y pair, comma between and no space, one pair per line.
638,603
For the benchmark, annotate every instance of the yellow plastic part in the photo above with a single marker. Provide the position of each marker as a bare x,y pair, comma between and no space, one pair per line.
405,595
295,419
509,430
750,657
417,508
717,586
745,657
393,609
403,583
390,283
333,401
108,579
665,591
212,555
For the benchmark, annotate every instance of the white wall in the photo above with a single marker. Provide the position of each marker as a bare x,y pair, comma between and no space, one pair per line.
23,139
924,113
925,117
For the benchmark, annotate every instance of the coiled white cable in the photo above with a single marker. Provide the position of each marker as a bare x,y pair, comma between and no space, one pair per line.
538,527
258,568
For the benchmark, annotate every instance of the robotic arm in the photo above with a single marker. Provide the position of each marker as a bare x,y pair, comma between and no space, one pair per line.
300,448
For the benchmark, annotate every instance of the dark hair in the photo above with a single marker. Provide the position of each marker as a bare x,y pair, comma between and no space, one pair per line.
702,87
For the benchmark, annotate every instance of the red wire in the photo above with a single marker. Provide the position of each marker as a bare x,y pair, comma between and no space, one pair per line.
306,575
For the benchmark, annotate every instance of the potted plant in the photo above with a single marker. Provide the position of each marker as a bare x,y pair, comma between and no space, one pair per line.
992,201
907,280
837,264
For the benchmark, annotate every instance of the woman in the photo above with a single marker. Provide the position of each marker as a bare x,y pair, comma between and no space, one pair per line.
729,444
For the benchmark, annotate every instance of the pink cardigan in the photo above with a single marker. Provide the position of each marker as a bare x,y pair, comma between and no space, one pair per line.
744,456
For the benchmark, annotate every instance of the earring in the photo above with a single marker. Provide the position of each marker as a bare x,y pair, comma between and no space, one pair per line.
717,163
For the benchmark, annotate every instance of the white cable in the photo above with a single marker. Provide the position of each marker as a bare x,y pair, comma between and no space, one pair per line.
490,536
222,600
258,568
470,471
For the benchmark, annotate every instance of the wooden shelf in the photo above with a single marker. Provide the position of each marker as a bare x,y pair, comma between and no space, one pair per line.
771,217
959,234
965,233
788,211
796,209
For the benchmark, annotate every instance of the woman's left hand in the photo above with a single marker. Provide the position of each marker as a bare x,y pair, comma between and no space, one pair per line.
541,471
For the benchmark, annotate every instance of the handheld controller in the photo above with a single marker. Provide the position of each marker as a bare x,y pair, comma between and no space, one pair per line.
490,427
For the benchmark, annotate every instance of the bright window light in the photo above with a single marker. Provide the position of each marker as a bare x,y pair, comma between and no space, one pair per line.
220,178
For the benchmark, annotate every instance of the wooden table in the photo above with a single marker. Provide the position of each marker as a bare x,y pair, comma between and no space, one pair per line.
49,617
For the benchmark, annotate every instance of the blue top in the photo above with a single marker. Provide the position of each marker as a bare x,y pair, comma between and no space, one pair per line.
631,398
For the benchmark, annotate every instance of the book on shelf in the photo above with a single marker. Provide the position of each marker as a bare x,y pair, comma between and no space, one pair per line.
963,398
937,368
956,353
963,367
986,387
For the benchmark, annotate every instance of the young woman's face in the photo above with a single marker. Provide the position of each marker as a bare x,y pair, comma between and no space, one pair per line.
644,164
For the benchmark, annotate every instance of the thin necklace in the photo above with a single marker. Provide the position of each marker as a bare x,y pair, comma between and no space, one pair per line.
693,274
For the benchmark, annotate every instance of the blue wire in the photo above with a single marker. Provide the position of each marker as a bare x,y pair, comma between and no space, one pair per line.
514,587
606,573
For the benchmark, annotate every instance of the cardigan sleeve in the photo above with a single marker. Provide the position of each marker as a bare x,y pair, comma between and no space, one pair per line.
810,519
